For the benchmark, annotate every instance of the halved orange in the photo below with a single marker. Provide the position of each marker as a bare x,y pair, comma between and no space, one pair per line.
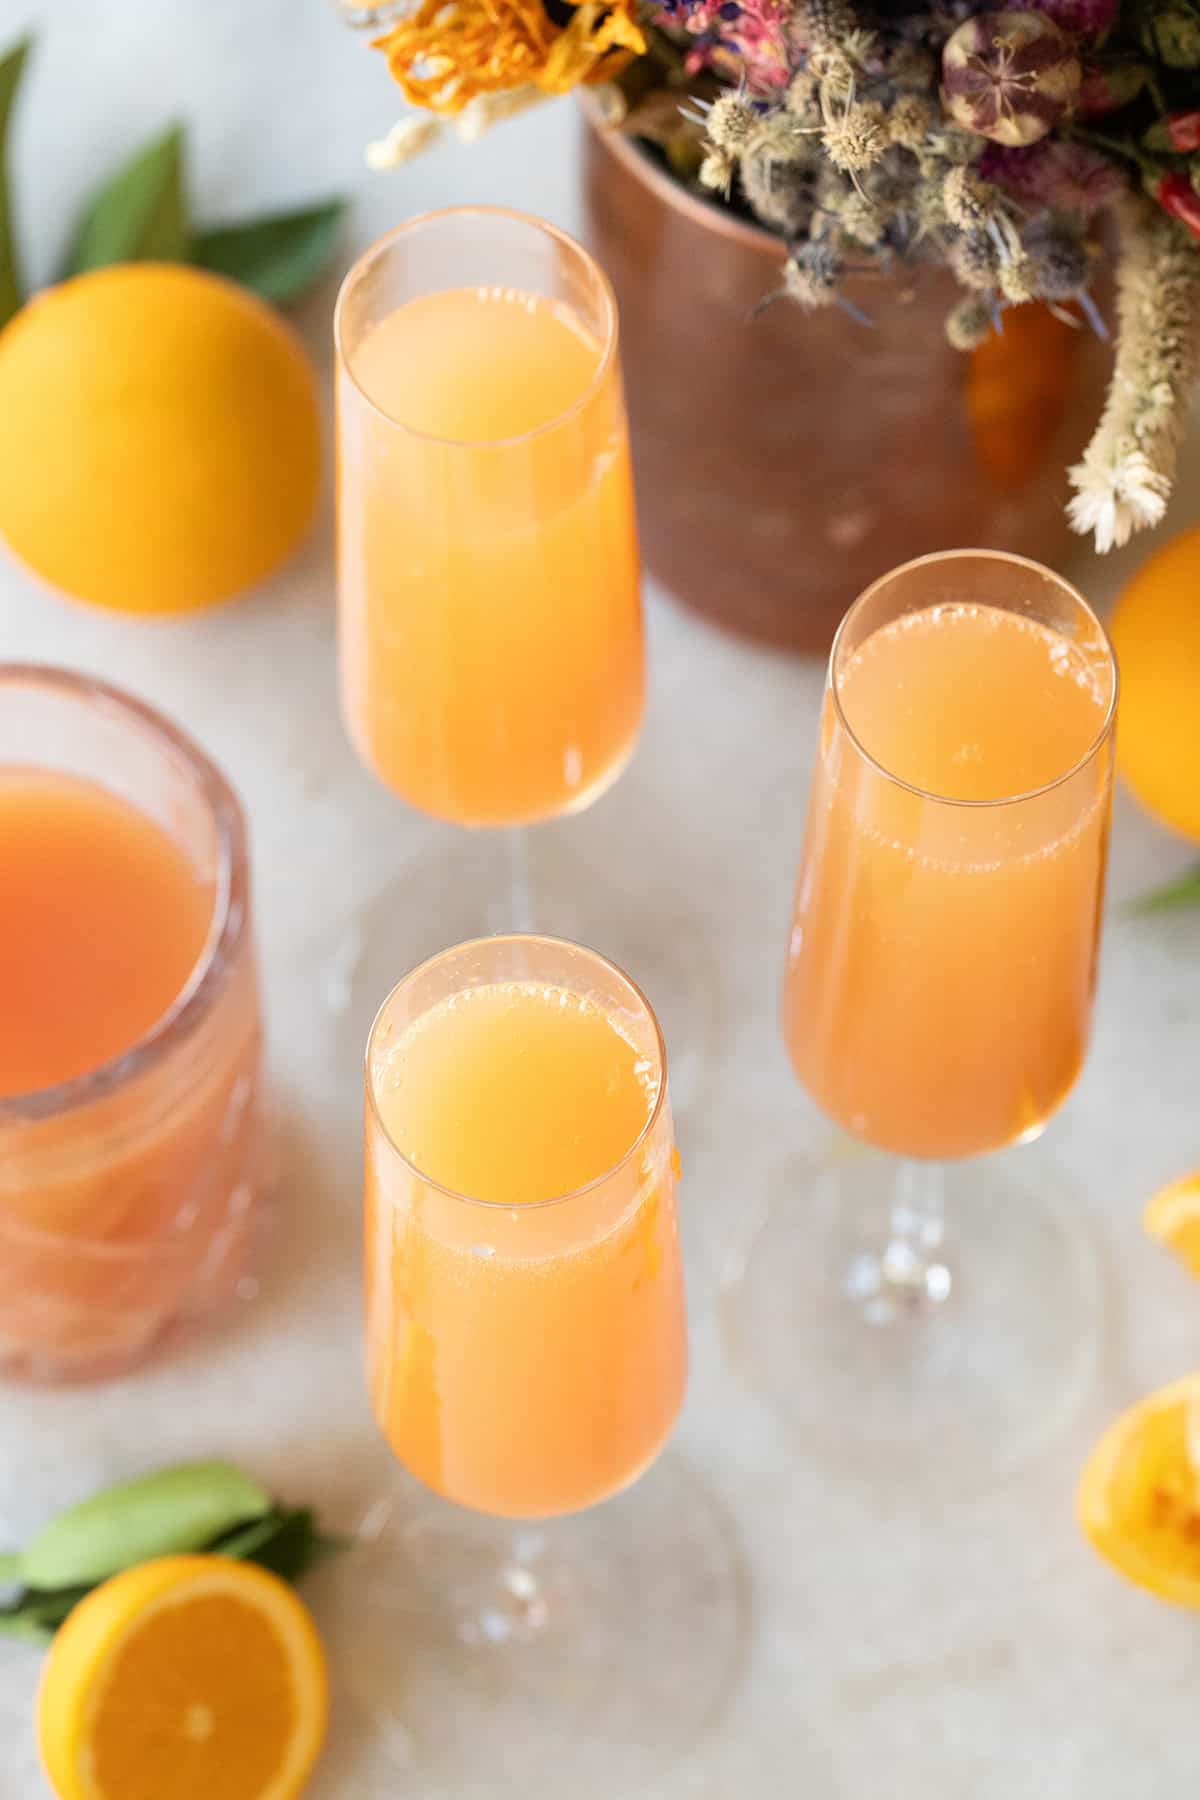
186,1678
1173,1217
1139,1497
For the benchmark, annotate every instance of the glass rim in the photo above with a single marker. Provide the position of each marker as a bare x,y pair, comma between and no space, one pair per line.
380,248
1081,762
597,1181
227,920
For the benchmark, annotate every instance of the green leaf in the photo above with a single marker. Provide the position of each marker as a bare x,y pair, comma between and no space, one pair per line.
37,1616
11,68
288,1543
171,1510
1183,891
247,1539
17,1625
278,257
139,214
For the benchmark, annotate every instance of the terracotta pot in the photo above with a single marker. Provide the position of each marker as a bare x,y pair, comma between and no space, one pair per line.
787,459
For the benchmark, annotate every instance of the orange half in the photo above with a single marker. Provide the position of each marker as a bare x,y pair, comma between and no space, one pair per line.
1173,1218
1139,1497
186,1678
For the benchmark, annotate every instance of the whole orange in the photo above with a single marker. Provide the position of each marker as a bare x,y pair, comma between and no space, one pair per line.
1156,633
159,438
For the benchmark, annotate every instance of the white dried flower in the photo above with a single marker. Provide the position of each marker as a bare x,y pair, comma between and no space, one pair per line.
485,110
716,171
408,138
1124,481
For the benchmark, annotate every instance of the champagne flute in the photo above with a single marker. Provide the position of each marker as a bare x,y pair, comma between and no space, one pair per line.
526,1356
937,1006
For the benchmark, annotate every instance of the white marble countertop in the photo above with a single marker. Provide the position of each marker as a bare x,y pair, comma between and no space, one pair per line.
977,1652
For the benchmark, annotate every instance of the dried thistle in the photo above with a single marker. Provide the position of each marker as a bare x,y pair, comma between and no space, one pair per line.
812,273
969,202
826,24
1057,258
976,260
1124,480
835,73
730,121
780,189
802,99
858,138
910,122
971,321
861,219
1018,280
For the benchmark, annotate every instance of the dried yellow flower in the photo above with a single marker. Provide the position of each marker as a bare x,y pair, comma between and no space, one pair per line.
447,52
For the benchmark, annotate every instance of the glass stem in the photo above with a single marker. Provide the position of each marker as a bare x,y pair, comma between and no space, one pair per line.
520,888
910,1273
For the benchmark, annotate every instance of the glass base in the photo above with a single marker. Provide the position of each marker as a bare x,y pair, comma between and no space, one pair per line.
947,1363
484,1658
466,891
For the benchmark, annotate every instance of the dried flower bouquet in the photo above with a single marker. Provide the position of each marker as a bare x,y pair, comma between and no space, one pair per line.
1017,146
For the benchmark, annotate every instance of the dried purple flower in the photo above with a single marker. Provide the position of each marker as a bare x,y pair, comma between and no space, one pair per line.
1056,173
1009,76
1108,86
1082,18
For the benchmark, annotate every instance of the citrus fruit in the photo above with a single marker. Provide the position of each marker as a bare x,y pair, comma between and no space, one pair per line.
185,1677
159,438
1139,1498
1173,1217
1156,632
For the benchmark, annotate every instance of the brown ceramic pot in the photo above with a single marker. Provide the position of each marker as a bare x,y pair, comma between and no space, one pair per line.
787,459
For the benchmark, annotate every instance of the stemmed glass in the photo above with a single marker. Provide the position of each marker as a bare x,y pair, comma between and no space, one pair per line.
527,1359
927,1310
490,615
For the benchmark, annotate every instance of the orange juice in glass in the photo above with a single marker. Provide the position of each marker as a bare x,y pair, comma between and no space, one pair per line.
490,607
939,983
527,1359
132,1146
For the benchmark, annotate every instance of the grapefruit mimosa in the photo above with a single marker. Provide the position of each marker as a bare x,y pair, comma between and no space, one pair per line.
491,615
130,1130
942,963
527,1358
943,956
520,1092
